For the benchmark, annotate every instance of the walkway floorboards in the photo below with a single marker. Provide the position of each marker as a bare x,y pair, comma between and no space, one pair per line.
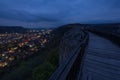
101,60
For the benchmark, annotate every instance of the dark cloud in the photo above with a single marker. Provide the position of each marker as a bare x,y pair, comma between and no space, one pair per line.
27,17
56,12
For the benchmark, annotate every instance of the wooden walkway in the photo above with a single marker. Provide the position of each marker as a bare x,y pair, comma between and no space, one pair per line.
101,60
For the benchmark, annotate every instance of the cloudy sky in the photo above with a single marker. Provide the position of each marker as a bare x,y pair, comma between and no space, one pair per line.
51,13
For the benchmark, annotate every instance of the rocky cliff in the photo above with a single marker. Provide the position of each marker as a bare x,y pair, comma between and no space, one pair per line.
70,41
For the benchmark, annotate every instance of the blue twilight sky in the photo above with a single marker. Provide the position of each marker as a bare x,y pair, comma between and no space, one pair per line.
51,13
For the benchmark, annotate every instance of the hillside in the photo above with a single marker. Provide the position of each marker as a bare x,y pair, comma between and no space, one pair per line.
12,29
112,28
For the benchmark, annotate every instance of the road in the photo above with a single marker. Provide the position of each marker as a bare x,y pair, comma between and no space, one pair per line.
101,60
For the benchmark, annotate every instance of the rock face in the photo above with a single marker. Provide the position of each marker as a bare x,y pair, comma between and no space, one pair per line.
70,42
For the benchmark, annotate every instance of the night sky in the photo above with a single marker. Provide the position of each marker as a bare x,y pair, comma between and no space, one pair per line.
52,13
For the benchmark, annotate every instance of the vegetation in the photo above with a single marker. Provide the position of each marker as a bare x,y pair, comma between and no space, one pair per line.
44,71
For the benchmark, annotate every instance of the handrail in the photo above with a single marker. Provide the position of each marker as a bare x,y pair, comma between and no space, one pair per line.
68,69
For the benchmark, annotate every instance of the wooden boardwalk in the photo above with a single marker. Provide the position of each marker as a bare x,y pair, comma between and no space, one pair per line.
101,60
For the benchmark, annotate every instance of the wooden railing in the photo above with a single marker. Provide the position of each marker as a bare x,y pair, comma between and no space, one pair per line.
68,70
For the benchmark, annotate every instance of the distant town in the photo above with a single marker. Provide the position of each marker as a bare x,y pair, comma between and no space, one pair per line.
18,46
